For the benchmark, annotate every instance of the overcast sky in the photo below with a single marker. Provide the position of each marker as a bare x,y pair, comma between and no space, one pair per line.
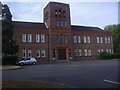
98,14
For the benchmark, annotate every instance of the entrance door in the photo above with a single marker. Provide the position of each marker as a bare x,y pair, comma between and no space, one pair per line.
62,54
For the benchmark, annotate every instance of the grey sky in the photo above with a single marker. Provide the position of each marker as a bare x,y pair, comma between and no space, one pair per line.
98,14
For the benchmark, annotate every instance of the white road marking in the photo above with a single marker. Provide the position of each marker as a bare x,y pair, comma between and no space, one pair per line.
111,81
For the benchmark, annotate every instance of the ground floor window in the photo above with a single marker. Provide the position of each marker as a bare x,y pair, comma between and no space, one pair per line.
80,52
29,53
38,53
75,52
24,53
85,52
43,53
89,52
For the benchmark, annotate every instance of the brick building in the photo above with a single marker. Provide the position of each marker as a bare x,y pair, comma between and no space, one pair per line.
57,39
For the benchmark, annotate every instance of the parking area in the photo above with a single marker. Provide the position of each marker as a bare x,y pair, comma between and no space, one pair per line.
77,74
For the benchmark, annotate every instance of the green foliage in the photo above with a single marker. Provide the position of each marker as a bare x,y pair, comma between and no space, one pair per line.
115,30
9,60
105,55
8,44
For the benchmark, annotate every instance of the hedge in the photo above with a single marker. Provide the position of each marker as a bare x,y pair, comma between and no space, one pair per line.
9,60
105,55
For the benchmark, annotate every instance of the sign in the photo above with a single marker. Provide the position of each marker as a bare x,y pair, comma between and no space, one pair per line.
53,58
71,58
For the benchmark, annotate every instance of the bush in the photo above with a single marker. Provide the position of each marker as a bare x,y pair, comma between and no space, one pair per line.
9,60
105,55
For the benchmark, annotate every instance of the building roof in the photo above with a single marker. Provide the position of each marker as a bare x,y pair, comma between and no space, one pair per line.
86,29
29,25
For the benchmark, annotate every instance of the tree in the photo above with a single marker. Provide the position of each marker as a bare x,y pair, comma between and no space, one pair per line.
115,30
8,44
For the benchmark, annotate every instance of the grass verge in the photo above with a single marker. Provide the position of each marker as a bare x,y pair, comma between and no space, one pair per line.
10,67
29,84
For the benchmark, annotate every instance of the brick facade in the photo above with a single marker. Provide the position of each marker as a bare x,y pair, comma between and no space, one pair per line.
57,39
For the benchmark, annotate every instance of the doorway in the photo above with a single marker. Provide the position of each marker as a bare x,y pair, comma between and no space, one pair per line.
62,54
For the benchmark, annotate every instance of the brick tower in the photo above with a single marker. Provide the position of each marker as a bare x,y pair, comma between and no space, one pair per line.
57,19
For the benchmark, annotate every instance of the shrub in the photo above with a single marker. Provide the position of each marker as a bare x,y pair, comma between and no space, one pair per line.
9,60
105,55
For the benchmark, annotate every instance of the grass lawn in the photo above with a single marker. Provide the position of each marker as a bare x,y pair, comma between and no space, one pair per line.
29,84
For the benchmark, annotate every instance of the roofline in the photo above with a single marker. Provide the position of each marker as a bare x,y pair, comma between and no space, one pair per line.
28,22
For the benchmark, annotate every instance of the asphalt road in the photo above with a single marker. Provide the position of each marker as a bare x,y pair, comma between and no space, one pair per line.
78,74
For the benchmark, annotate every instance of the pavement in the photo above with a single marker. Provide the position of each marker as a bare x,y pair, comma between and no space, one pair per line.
77,74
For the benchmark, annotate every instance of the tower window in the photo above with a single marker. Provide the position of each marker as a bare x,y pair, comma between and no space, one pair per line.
59,11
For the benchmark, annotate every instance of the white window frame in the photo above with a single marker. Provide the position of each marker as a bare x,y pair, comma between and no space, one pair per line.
42,38
75,39
101,40
42,53
110,51
23,37
85,52
75,52
80,52
29,53
29,37
98,40
106,40
98,51
107,50
37,38
101,50
88,39
24,53
85,39
79,39
89,52
38,53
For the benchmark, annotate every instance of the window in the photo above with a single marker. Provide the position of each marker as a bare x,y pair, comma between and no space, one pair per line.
89,52
29,53
98,40
23,37
75,52
38,53
98,51
85,52
24,53
80,52
55,11
85,41
37,38
66,39
101,40
75,39
29,37
57,23
42,38
88,39
65,23
107,50
105,39
108,39
110,51
79,40
101,50
43,53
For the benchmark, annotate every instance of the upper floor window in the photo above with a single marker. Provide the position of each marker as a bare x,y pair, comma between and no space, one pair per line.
42,38
29,37
66,39
37,38
98,40
105,39
88,39
23,37
79,39
108,39
85,39
75,39
101,40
